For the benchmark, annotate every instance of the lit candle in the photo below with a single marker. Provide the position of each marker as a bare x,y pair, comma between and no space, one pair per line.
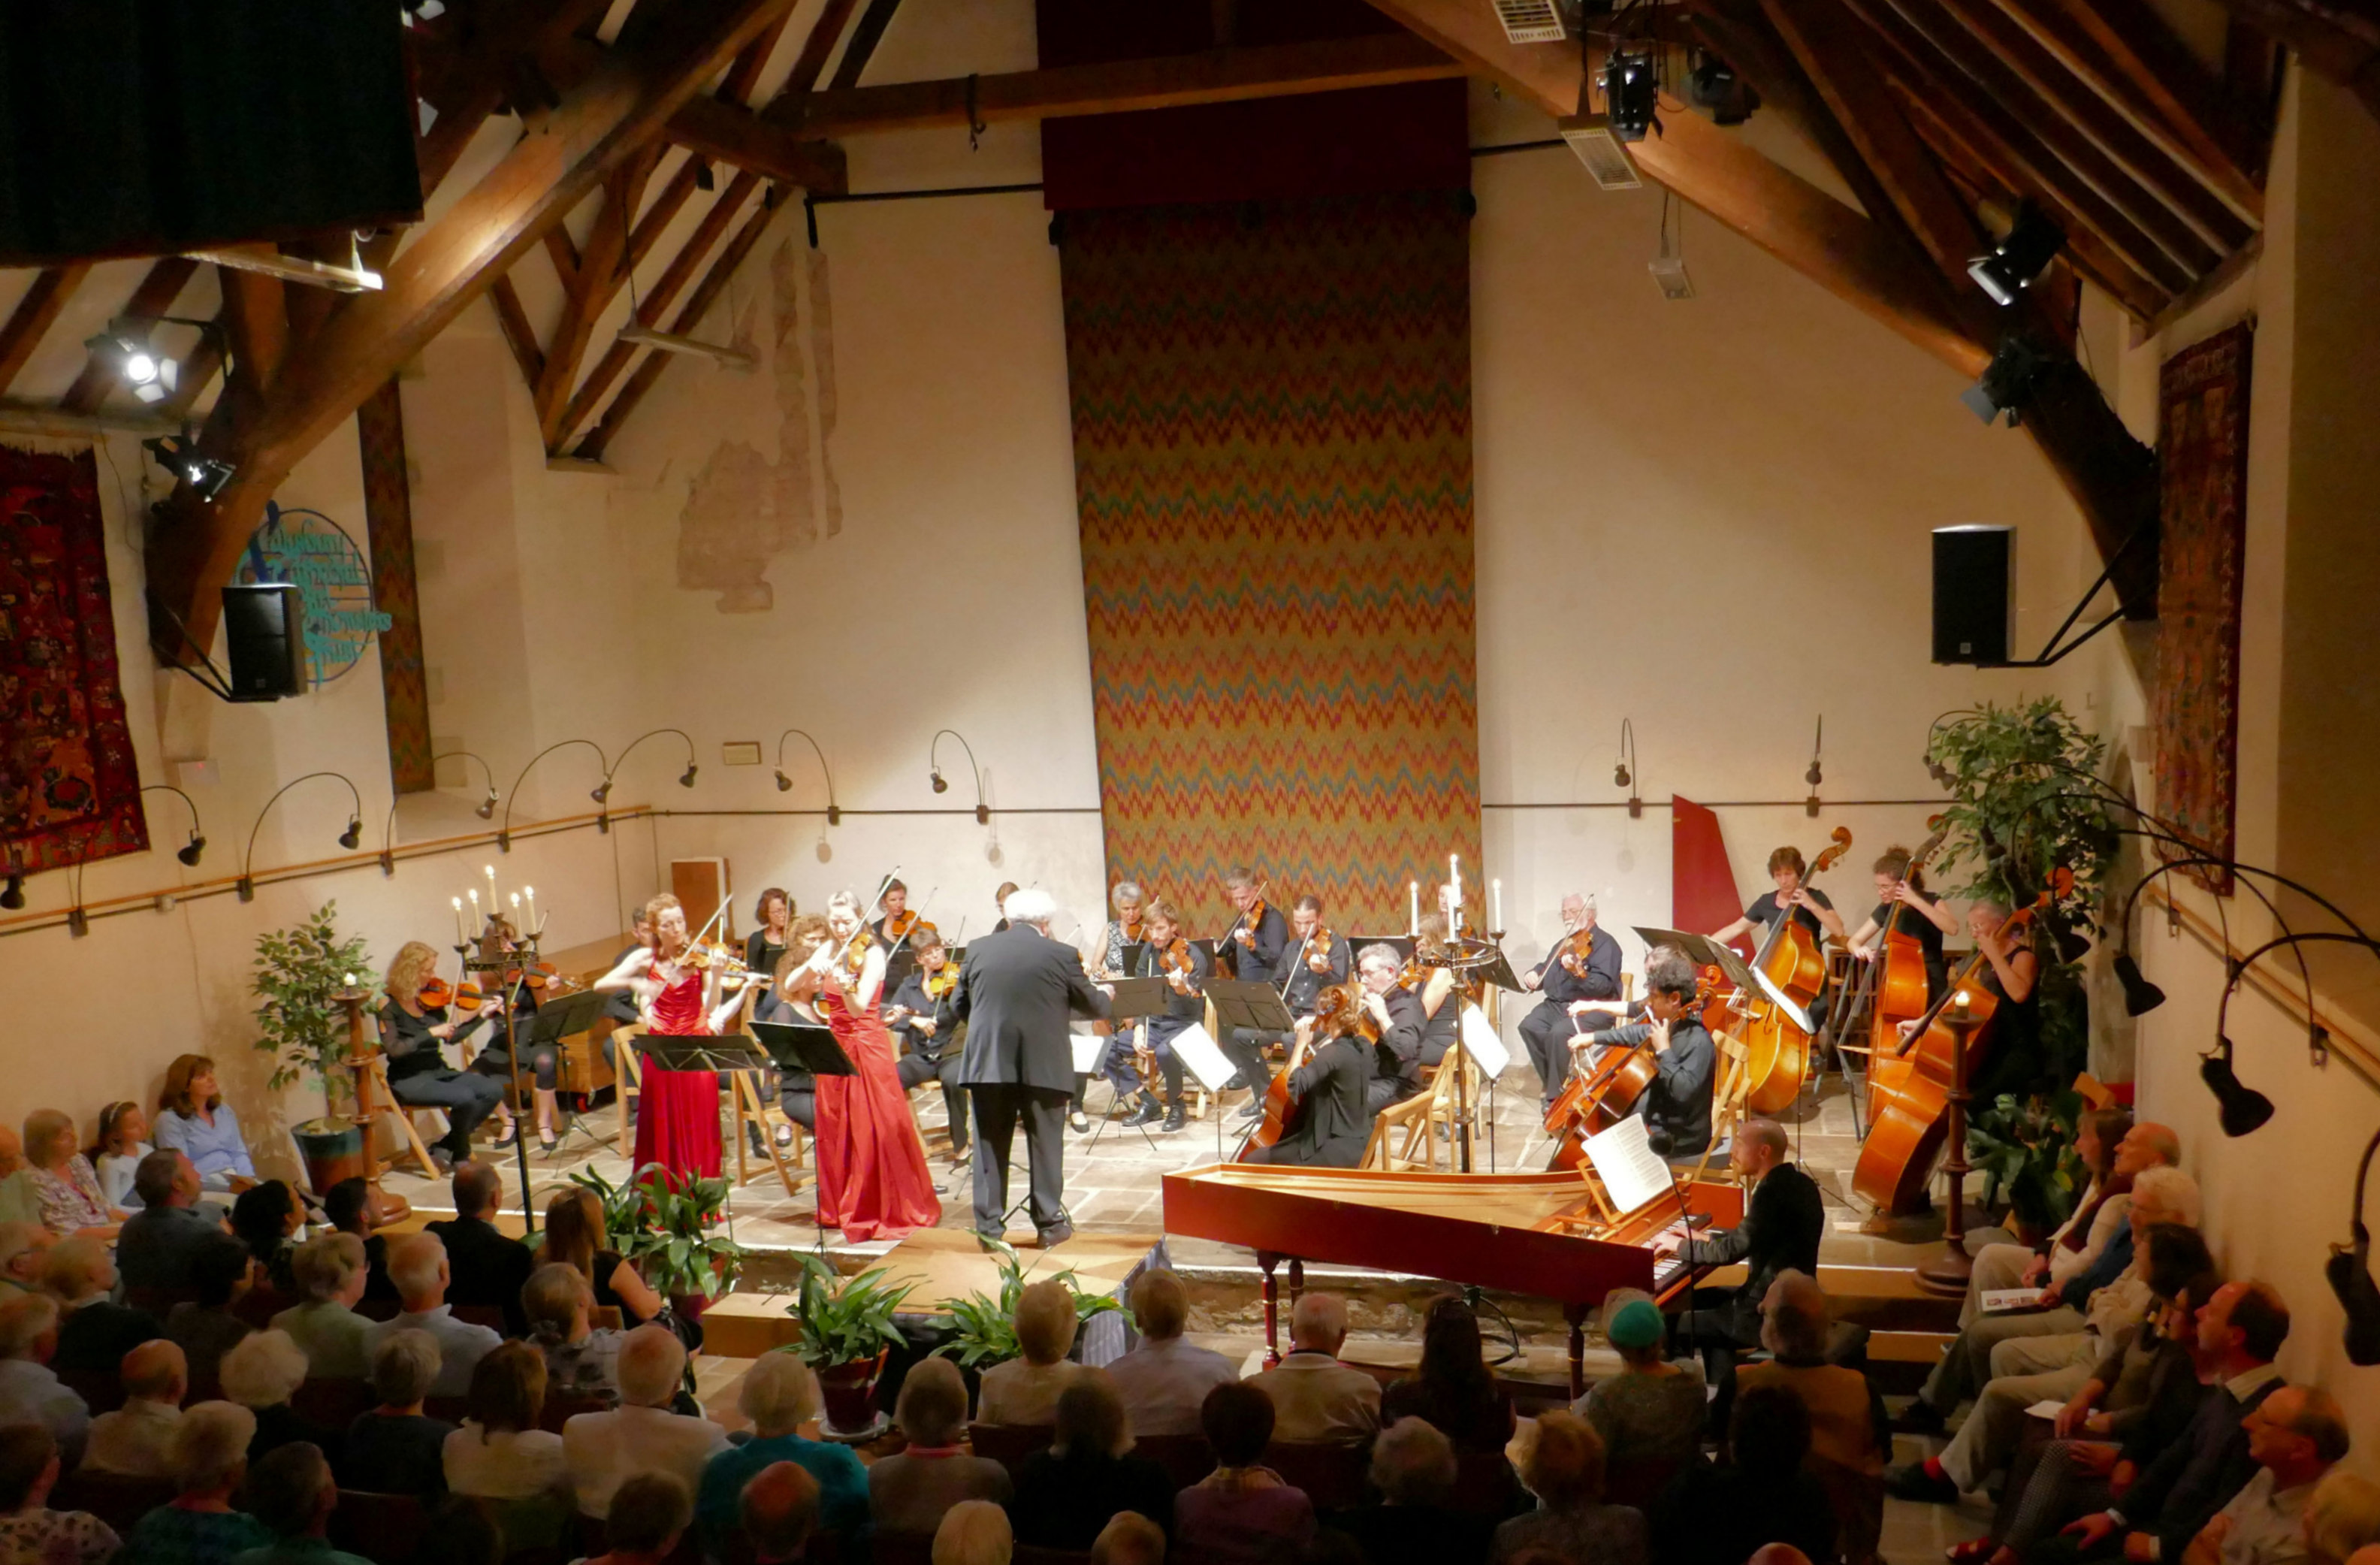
1454,879
515,902
491,872
530,892
1413,894
475,912
1494,905
351,980
460,932
1961,1001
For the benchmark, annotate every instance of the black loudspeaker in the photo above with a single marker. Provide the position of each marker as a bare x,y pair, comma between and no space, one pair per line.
265,627
1975,571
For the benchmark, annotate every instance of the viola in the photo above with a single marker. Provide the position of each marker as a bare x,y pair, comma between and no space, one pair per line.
1573,951
906,924
942,981
1317,948
437,994
1178,966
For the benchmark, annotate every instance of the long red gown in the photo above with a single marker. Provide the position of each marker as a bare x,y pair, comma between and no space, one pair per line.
873,1183
678,1111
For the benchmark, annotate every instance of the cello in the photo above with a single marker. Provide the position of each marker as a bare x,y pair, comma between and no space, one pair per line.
1338,1009
1910,1080
1778,1049
1593,1100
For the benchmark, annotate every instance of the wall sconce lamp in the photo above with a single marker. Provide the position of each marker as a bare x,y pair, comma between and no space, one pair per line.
1817,774
485,810
2243,1109
982,812
603,822
2349,1271
685,780
785,784
348,839
12,895
1935,768
1624,770
189,851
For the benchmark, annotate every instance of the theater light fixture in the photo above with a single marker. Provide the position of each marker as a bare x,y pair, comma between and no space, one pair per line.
180,456
1631,88
485,810
1818,772
152,375
2017,261
785,784
348,839
982,812
12,895
1624,770
2006,380
602,793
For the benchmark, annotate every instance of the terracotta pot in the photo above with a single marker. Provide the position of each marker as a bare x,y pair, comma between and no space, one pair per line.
849,1390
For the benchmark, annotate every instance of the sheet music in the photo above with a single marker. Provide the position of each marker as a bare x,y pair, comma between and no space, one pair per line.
1090,1050
1631,1170
1479,1041
1206,1060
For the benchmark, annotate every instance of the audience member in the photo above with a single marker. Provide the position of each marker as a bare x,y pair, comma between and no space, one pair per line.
29,1392
18,1204
396,1449
910,1492
1653,1411
2000,1262
641,1435
290,1492
1023,1390
122,1142
2295,1437
1414,1468
221,1273
158,1247
649,1513
94,1332
193,1119
24,1249
135,1438
778,1512
779,1394
208,1461
1849,1433
575,1236
1560,1459
2342,1519
262,1373
1314,1396
31,1533
462,1531
416,1264
1761,1494
64,1180
1164,1380
489,1267
265,1218
502,1453
1778,1554
330,1277
1067,1493
974,1532
1243,1513
1129,1538
580,1357
352,1206
1452,1388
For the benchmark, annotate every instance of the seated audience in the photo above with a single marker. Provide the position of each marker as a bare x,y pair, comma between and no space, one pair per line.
2001,1263
2342,1518
193,1119
291,1493
575,1236
1067,1493
1129,1538
1560,1459
1653,1411
1452,1388
1314,1396
641,1435
352,1206
500,1455
331,1276
416,1264
779,1395
580,1358
122,1142
1023,1390
1164,1380
208,1461
1851,1435
64,1180
649,1513
1414,1468
974,1532
24,1250
31,1533
396,1449
18,1204
94,1332
262,1373
29,1392
158,1247
1243,1513
2295,1437
1762,1493
134,1439
462,1531
778,1512
206,1326
265,1218
910,1492
489,1266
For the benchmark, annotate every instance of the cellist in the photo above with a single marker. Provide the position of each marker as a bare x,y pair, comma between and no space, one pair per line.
1898,883
1332,1083
1583,966
1677,1103
1810,908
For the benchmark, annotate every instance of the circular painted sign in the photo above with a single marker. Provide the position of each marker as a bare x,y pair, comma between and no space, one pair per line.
313,553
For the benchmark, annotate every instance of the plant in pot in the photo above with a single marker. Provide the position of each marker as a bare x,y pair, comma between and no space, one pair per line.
2024,1150
297,972
847,1328
667,1226
984,1327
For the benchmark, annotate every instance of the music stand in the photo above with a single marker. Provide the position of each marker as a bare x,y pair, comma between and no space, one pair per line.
1704,952
548,1025
1254,1005
1136,998
1402,944
791,1046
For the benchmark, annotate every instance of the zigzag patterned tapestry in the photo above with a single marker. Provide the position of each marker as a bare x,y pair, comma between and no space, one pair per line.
1272,458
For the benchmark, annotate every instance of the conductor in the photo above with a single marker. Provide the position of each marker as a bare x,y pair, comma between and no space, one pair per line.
1015,991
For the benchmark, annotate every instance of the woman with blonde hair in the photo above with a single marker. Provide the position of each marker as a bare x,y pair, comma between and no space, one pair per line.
64,1180
1560,1459
678,1111
1024,1390
193,1119
574,1237
415,1034
501,1452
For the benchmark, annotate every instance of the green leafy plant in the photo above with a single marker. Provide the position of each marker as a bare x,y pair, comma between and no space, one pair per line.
2019,808
985,1326
843,1320
664,1222
297,1021
2024,1150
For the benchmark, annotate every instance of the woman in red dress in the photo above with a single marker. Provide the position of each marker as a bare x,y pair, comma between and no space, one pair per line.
873,1183
678,1111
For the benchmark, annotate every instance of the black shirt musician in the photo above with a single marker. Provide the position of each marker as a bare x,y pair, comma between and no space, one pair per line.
1334,1122
1583,966
1922,917
1184,967
899,921
1252,951
919,1017
1319,958
1811,907
1396,1011
1677,1104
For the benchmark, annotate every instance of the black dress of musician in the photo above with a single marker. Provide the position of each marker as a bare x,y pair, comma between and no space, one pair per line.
1923,917
1333,1124
1583,966
1677,1104
1441,993
920,1020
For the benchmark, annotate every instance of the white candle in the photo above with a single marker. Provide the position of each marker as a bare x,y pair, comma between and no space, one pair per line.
1494,905
475,912
530,892
490,872
1454,879
351,980
460,932
516,902
1413,894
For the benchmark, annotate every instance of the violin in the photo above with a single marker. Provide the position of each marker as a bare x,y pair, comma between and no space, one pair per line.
1573,951
941,983
1317,948
714,956
907,924
1178,966
437,994
538,979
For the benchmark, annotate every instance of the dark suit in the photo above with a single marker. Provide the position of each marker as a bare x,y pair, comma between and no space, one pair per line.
486,1268
2179,1491
1017,990
1548,1029
1677,1103
1335,1124
1259,962
1780,1232
1398,1054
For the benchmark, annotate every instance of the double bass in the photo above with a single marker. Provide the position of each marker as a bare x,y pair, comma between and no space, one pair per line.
1777,1048
1910,1079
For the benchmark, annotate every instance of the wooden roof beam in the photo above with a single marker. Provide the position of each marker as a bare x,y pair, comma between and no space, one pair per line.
600,274
864,40
2337,39
35,313
724,133
472,81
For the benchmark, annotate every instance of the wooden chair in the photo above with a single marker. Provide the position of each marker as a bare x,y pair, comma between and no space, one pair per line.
372,1074
631,1084
1010,1444
385,1529
559,1410
1728,1104
1414,1124
117,1499
1186,1458
751,1109
1333,1473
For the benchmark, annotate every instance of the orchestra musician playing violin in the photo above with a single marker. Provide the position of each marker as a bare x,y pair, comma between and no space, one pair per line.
681,992
1583,966
1320,959
1898,884
1184,966
1440,992
517,997
1677,1103
1394,1007
1810,908
1126,928
767,945
1329,1089
1250,951
898,919
920,1021
414,1028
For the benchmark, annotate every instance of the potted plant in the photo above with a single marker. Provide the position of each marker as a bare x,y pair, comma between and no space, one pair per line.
2024,1150
847,1328
297,972
665,1224
985,1329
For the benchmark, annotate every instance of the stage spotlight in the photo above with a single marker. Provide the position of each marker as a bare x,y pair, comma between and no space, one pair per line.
1713,87
13,896
2141,997
191,851
2016,262
2241,1108
2006,380
940,785
703,178
151,374
178,454
1631,87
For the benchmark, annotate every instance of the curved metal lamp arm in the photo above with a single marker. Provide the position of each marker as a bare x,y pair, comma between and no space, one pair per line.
1935,768
785,784
348,839
188,853
388,827
2239,971
982,812
1623,774
685,779
505,832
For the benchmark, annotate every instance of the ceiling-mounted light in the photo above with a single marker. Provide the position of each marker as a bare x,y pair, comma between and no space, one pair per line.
1631,88
152,375
180,456
1713,87
2018,260
2006,382
704,179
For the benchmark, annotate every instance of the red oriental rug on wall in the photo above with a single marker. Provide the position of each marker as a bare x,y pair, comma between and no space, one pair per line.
70,788
1272,455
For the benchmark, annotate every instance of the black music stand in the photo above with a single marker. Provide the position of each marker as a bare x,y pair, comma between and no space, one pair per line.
792,1045
1131,1000
549,1024
1255,1005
